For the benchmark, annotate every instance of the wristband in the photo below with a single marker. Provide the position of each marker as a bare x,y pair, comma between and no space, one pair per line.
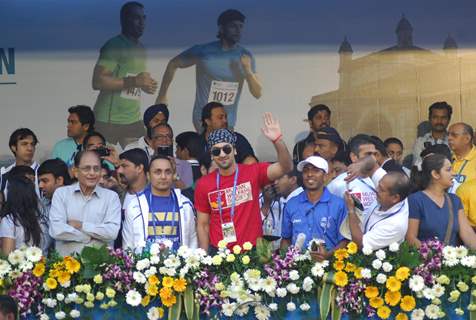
278,138
129,82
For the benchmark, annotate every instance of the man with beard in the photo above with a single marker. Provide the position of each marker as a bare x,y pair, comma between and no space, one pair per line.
439,117
132,173
227,200
222,66
120,75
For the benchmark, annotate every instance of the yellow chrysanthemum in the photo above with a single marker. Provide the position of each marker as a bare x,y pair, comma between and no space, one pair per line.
165,293
383,312
64,277
51,283
408,303
151,290
168,282
161,312
341,254
371,292
350,267
358,273
341,279
392,298
180,285
153,280
39,269
402,273
339,265
401,316
393,284
169,301
54,273
376,302
71,264
352,248
145,301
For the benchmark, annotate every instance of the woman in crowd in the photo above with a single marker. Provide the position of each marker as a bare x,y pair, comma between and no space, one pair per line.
433,211
22,222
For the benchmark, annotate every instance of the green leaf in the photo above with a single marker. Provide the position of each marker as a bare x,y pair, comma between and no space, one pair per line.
264,250
176,310
326,295
335,310
196,311
472,314
88,272
189,302
95,256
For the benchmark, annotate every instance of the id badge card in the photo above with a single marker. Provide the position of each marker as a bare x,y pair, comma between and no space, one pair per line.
229,234
131,93
224,92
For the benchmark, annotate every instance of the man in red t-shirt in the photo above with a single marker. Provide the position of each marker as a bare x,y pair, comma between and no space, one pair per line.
227,199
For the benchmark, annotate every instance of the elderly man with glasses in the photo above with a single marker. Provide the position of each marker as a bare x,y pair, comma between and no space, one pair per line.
84,214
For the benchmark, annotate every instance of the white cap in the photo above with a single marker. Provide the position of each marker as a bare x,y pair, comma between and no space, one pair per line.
316,161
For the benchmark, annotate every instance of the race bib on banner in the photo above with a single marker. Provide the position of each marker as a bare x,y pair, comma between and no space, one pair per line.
223,92
243,194
131,93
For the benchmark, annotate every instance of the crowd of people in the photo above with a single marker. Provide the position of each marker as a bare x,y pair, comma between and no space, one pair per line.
214,188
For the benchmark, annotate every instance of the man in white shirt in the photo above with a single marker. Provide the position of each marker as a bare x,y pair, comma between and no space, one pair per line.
363,187
388,221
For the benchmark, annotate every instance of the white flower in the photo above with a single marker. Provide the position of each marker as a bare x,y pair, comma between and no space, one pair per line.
59,296
243,310
50,303
459,311
207,260
16,257
72,296
428,294
281,292
154,259
25,266
305,307
154,249
133,298
153,313
468,261
33,254
254,284
142,264
228,309
380,254
381,278
294,275
192,261
4,268
292,288
438,290
172,262
44,316
461,252
183,272
366,273
74,313
139,277
449,252
416,283
268,285
262,312
273,306
417,314
367,251
450,262
150,272
376,264
307,284
291,306
394,247
432,311
387,267
60,315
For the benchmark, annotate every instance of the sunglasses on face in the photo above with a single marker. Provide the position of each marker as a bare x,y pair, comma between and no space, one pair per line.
217,150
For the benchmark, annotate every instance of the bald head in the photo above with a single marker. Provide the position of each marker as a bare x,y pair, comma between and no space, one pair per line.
392,188
460,138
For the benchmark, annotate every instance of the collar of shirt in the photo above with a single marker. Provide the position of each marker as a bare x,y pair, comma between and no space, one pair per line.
470,156
325,197
429,137
392,209
294,193
76,188
193,162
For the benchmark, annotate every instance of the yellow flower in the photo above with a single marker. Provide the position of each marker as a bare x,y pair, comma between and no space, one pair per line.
180,285
151,290
39,270
408,303
350,267
339,265
402,273
383,312
236,249
112,303
90,297
64,277
222,244
97,279
392,298
443,280
217,260
371,292
110,293
401,316
89,304
376,302
352,248
341,279
230,257
165,293
473,279
161,312
153,280
341,254
245,260
169,301
220,286
168,282
72,265
54,273
51,283
247,246
99,296
393,284
145,301
358,273
463,287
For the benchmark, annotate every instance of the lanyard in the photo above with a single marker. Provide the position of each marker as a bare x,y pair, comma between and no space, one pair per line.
368,185
155,219
462,167
386,217
233,197
318,224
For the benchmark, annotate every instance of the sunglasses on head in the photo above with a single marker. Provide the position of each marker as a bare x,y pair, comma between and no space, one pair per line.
217,150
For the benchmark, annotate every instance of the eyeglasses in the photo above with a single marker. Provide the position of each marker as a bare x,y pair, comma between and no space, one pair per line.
217,150
87,169
162,136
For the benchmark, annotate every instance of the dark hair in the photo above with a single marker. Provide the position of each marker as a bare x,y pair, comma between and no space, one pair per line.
230,15
85,115
93,134
20,172
22,207
126,8
205,160
295,173
359,140
317,108
393,140
342,156
207,112
191,141
8,305
380,146
432,162
401,184
438,148
150,130
160,157
137,156
57,168
20,134
441,105
78,156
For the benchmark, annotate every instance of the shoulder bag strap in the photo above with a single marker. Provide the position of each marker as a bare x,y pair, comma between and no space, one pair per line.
451,217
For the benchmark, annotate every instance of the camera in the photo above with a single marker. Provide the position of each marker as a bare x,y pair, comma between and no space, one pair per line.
165,151
103,151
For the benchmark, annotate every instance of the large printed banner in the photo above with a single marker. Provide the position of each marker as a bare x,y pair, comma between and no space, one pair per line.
377,70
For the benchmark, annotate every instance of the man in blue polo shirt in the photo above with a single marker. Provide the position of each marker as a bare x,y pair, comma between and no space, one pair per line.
316,213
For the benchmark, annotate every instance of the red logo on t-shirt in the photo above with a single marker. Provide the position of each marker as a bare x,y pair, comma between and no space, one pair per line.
243,194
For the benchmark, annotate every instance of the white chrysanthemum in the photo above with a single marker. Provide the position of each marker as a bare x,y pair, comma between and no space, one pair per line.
387,267
281,292
367,251
380,254
142,264
469,261
60,296
139,277
268,284
207,261
394,247
428,293
154,259
254,284
366,273
459,311
153,313
133,298
192,261
33,254
294,275
438,290
416,283
44,316
154,249
307,284
461,252
381,278
376,264
449,252
74,313
293,288
262,312
167,243
252,274
305,307
273,306
451,262
242,310
228,309
25,266
417,314
150,272
183,272
172,262
4,268
432,311
60,315
184,251
291,306
16,257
